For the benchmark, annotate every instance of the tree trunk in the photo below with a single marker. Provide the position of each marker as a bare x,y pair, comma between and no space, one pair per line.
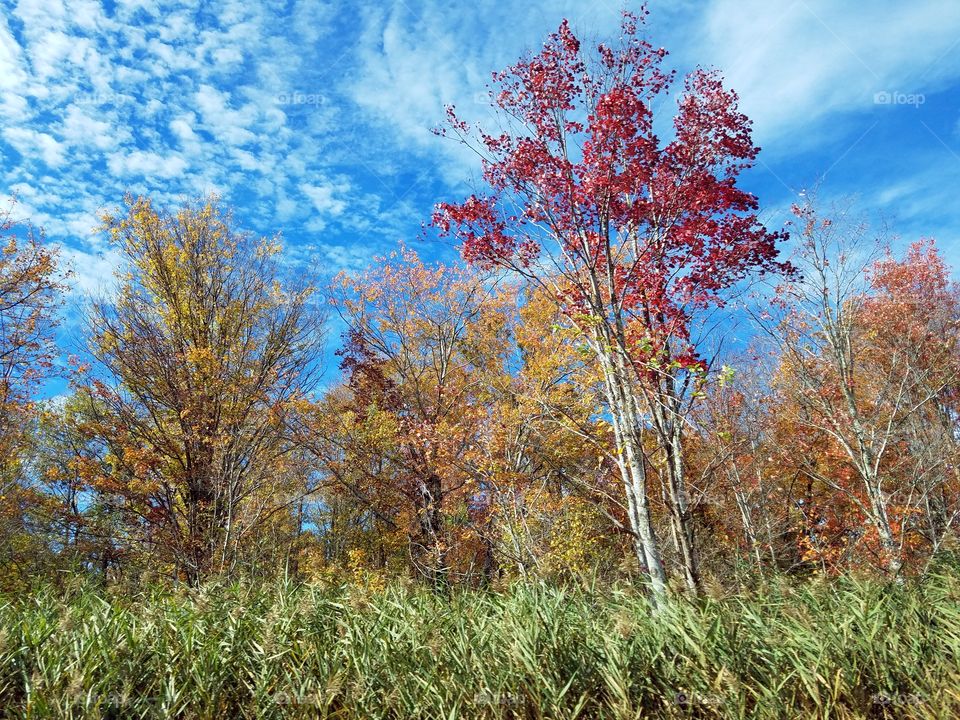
200,531
891,552
680,514
630,459
663,405
432,559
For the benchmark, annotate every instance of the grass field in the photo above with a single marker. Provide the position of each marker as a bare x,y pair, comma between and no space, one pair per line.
843,649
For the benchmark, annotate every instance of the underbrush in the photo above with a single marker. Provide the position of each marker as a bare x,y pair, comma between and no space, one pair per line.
841,649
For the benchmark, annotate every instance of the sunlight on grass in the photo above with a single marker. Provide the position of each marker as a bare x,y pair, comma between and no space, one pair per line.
851,649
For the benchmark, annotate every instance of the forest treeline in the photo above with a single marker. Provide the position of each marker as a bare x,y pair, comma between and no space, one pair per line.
628,375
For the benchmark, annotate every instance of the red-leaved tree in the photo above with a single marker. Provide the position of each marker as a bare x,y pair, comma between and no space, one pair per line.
636,237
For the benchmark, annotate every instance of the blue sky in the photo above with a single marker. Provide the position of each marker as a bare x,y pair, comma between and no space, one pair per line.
314,118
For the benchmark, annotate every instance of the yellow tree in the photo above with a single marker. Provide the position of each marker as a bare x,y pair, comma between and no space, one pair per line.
544,459
459,436
201,359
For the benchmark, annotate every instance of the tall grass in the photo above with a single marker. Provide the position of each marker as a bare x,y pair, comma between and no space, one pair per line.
848,649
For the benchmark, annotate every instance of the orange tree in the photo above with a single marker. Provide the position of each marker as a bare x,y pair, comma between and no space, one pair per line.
394,438
868,358
31,291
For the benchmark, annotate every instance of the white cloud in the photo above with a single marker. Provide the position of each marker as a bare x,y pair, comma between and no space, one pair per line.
182,127
224,123
148,164
245,160
41,12
412,63
797,62
346,257
79,128
92,273
163,109
324,197
11,69
31,144
51,51
227,56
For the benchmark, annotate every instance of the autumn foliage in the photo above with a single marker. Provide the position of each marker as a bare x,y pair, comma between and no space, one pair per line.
31,285
198,366
634,237
557,404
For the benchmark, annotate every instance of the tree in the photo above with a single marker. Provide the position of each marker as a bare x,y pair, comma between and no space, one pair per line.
747,449
912,319
201,360
867,347
31,287
544,456
635,238
397,436
31,292
451,436
81,526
